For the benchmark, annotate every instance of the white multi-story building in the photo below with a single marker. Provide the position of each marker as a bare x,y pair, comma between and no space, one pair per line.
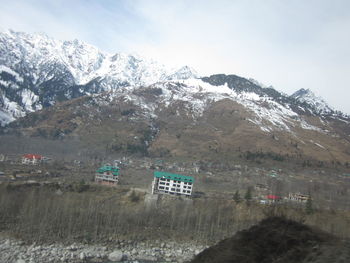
298,197
173,184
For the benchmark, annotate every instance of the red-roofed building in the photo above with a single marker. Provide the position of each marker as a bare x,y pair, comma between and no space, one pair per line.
273,198
32,159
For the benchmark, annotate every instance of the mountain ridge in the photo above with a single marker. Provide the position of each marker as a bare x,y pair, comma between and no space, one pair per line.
178,114
48,70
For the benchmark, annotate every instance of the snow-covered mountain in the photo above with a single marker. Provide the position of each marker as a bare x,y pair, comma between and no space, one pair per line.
69,90
36,71
319,105
216,117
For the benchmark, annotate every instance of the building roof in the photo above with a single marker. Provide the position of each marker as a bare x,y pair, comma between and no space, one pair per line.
33,156
175,177
273,197
108,168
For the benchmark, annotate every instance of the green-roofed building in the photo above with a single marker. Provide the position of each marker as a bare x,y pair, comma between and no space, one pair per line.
172,184
107,175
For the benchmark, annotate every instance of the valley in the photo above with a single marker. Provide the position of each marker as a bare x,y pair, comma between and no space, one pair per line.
254,153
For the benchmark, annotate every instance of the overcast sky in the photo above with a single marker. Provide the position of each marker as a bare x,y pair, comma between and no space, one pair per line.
290,44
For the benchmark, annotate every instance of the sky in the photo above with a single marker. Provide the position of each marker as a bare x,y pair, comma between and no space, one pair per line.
289,44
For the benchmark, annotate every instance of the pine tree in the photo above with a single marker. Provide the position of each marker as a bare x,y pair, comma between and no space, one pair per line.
248,195
308,206
237,197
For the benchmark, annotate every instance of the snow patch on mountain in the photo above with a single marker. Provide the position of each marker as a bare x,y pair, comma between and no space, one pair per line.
29,99
268,114
5,118
10,111
11,72
197,96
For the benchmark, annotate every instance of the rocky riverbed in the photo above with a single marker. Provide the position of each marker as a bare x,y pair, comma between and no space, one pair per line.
16,251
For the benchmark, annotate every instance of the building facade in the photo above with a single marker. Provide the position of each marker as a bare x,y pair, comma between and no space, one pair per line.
32,159
107,175
172,184
273,199
298,197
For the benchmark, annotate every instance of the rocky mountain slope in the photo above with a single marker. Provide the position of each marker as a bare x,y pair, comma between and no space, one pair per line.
128,105
192,119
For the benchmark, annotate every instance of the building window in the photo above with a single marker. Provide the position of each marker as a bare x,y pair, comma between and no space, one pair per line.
172,189
166,188
161,187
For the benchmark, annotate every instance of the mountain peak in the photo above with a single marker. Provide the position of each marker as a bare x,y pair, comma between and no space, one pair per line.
302,92
316,102
184,72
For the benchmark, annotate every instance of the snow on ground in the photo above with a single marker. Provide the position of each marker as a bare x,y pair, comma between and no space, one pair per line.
5,83
10,111
317,144
13,108
29,99
5,118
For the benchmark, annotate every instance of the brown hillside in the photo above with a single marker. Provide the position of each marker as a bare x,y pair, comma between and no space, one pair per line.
224,131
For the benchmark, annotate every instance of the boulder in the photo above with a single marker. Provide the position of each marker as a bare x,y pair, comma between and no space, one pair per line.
116,255
82,256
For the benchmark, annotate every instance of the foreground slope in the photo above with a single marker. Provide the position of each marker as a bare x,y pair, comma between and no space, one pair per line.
277,240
